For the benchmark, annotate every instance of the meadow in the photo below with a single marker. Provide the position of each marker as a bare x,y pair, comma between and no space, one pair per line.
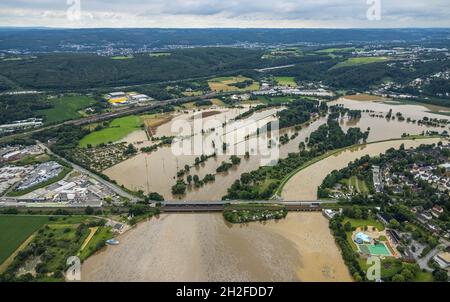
360,61
227,84
66,108
286,81
117,130
14,230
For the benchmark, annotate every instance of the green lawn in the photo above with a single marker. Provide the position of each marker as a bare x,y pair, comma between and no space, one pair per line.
117,130
360,61
358,184
286,81
365,222
14,230
66,108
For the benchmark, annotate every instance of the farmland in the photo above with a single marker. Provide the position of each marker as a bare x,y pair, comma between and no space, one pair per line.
117,130
44,255
229,84
360,61
66,108
15,230
122,57
286,81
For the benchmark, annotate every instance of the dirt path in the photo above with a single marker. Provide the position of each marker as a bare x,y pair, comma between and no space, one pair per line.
86,242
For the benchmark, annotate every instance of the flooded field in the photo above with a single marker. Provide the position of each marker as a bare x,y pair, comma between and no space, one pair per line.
303,186
203,247
156,172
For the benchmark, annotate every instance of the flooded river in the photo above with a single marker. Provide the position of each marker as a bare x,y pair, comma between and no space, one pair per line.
203,247
156,172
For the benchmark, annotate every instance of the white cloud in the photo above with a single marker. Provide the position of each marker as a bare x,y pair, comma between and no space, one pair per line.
222,13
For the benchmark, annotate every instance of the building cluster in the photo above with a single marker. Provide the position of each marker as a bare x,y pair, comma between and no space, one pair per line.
40,174
418,172
127,98
269,90
9,154
10,175
77,190
21,125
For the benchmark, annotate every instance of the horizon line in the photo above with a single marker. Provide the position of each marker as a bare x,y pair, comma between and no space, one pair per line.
226,27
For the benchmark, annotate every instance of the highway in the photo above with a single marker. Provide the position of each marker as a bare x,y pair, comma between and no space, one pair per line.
120,113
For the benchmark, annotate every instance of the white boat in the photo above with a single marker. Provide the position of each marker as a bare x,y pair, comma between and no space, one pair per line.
112,242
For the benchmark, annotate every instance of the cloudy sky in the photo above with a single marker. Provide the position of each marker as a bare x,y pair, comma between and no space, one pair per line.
225,13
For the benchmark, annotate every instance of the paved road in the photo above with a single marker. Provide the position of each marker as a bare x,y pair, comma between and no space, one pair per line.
275,68
423,262
116,189
224,202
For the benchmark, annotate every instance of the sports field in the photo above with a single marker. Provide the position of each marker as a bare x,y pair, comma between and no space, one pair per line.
66,108
14,230
360,61
375,249
117,130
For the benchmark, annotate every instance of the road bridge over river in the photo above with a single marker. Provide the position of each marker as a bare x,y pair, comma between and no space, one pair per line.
218,206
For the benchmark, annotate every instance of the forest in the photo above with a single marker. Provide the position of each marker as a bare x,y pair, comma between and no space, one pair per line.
77,71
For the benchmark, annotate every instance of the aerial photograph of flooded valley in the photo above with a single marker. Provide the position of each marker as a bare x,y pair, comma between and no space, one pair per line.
285,142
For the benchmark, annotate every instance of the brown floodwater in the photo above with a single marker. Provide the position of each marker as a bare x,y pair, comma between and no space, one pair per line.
304,184
203,247
156,172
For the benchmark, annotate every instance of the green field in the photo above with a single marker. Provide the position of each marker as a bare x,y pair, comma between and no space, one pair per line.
14,230
117,130
160,54
66,108
97,240
360,61
364,222
286,81
122,57
225,84
333,50
359,185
